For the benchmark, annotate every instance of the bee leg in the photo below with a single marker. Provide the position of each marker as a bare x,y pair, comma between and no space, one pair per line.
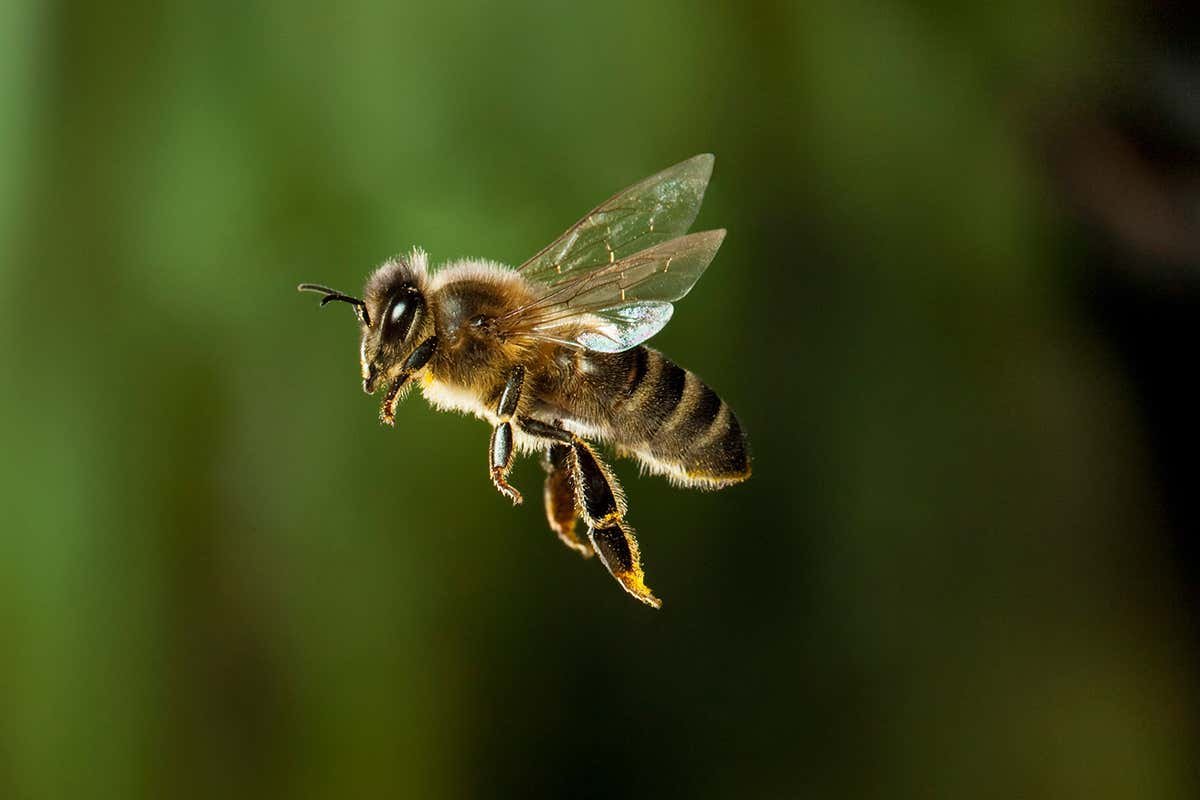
415,362
501,460
603,508
602,505
501,447
399,387
560,498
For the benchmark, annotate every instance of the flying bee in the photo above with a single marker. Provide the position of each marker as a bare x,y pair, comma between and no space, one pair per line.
551,355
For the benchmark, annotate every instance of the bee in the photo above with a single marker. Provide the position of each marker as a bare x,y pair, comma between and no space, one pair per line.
552,356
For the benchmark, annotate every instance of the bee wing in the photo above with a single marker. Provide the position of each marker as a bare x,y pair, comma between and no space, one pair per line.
648,213
620,304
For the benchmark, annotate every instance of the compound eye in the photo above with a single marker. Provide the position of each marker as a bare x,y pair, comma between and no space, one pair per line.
400,316
399,309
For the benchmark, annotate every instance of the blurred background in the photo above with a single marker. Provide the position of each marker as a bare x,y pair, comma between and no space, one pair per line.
956,311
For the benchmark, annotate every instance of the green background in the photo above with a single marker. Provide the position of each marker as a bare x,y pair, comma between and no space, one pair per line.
221,577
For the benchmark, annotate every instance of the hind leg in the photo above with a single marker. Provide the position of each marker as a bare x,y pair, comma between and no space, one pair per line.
561,510
604,510
602,506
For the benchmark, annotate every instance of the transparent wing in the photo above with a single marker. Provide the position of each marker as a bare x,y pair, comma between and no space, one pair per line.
616,329
620,304
653,211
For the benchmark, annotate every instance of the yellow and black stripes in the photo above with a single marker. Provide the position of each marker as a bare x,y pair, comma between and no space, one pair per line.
638,367
599,500
675,423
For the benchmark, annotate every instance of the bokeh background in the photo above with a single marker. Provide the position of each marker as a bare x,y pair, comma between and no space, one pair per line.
956,311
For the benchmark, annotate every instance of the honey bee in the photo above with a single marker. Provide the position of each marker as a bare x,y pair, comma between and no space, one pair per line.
551,355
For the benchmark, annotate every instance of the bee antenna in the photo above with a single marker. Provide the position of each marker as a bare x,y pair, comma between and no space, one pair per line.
334,294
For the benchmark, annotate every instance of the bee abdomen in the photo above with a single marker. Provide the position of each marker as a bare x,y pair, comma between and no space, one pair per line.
676,424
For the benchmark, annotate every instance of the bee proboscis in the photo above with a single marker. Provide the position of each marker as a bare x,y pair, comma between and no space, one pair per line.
552,355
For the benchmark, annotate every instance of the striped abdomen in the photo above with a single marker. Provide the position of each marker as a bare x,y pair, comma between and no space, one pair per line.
673,422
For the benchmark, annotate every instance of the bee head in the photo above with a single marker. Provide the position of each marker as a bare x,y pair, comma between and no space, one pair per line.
393,316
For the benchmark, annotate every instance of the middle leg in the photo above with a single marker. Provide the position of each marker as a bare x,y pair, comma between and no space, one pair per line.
500,451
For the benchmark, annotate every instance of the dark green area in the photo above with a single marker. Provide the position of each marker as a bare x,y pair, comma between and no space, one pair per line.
221,577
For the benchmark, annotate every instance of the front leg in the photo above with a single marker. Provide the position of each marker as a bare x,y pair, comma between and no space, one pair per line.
418,359
501,448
